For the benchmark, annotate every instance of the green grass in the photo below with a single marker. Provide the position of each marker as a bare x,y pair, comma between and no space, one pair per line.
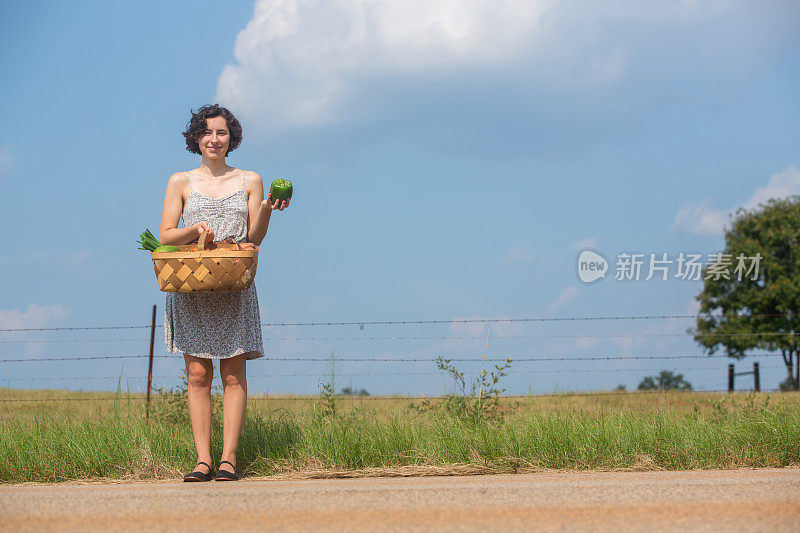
48,441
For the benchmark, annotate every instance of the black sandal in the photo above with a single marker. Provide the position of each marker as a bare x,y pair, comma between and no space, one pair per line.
224,475
199,476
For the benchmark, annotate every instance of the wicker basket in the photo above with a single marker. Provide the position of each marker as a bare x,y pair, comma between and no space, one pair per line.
217,270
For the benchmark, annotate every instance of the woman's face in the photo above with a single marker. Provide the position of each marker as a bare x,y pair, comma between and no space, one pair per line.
214,141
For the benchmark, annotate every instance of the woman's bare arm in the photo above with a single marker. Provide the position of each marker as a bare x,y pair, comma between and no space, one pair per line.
259,210
169,232
257,218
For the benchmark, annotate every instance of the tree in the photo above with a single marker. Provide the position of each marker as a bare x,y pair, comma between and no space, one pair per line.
757,309
666,380
349,391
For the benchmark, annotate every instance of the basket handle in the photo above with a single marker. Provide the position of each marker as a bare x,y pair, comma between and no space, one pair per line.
201,241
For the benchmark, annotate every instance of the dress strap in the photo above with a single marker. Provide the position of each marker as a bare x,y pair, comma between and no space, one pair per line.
190,182
243,187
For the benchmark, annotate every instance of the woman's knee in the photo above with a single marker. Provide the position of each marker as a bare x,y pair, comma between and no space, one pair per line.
199,374
233,371
234,379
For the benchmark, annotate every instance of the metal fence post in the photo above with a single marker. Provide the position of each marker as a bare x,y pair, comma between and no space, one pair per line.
730,378
150,365
756,377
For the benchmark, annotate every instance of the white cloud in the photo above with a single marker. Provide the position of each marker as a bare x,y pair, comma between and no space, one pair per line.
584,343
701,219
519,254
308,62
780,185
479,330
468,326
591,242
567,295
298,59
36,316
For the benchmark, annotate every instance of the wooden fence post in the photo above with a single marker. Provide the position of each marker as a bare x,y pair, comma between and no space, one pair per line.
730,378
756,377
797,372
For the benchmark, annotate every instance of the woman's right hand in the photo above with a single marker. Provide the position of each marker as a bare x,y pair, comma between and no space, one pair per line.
201,227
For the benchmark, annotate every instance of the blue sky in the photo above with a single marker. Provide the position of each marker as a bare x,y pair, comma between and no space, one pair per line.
450,160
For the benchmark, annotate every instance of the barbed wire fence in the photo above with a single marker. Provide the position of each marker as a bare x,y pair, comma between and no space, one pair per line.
374,359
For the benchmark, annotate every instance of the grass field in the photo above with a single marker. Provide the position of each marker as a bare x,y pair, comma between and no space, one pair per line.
47,437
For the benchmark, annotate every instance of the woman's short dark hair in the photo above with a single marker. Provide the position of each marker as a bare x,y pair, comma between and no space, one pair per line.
197,126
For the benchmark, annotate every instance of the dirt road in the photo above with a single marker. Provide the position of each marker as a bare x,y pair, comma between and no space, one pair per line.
732,500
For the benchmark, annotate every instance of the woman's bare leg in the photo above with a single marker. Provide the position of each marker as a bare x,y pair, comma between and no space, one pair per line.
200,373
234,381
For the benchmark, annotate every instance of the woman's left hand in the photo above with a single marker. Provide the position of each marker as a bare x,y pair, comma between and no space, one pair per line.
268,203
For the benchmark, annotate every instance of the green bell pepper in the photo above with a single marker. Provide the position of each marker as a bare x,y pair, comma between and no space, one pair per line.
280,190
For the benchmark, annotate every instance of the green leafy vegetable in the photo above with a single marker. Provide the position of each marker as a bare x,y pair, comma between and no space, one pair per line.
147,241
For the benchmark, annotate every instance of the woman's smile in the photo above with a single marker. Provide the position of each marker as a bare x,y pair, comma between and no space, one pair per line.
216,137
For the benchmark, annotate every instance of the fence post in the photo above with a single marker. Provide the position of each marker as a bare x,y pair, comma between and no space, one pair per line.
730,378
756,377
797,372
150,365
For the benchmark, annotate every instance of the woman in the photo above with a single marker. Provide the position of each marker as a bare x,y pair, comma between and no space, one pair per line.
226,202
